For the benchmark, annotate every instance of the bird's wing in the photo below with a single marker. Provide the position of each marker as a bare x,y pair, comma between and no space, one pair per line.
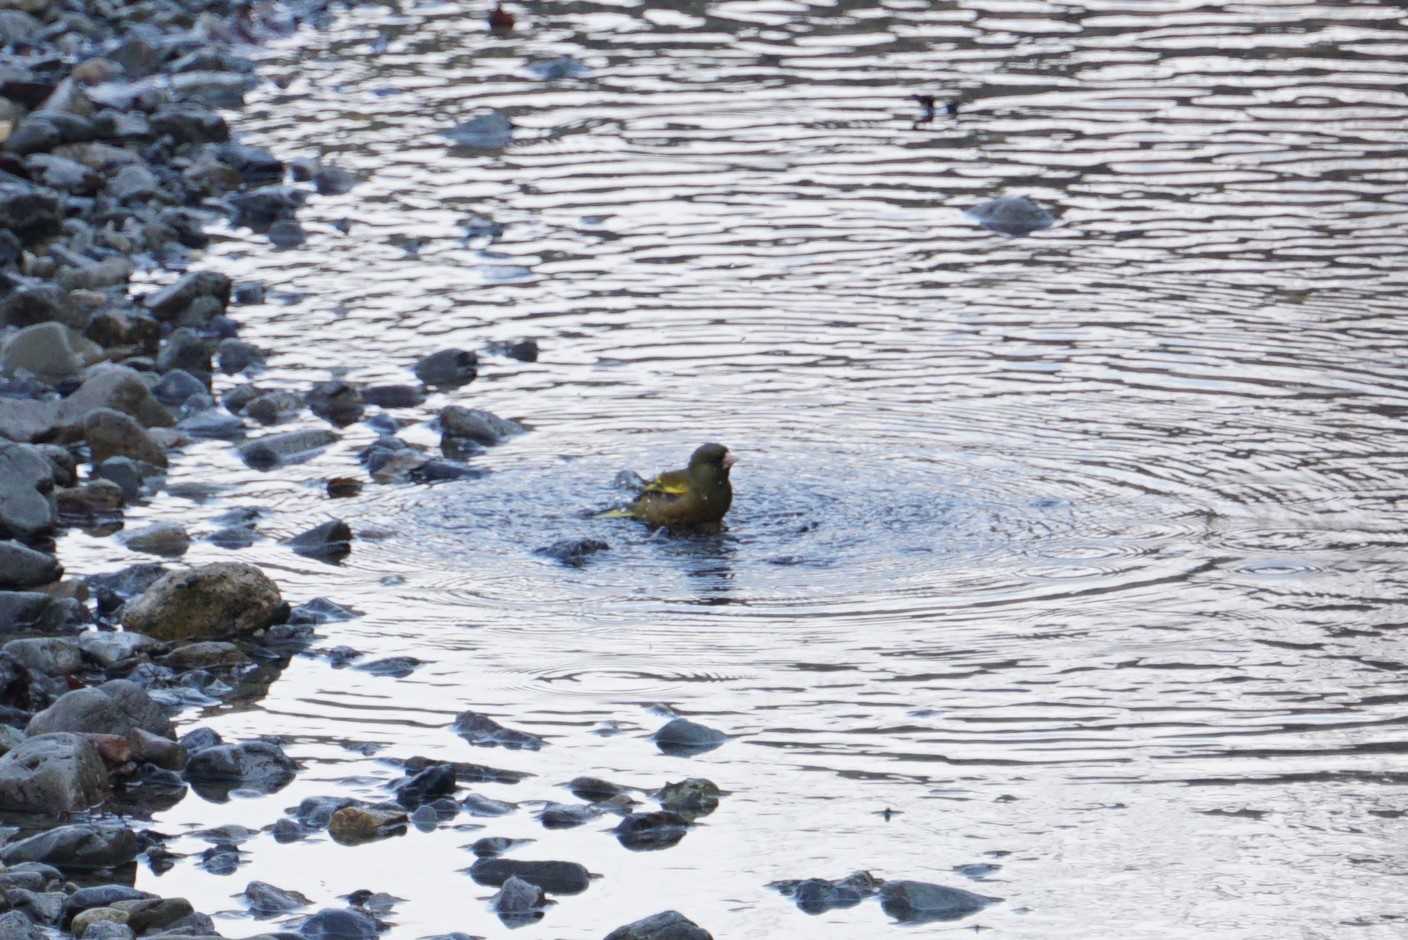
674,483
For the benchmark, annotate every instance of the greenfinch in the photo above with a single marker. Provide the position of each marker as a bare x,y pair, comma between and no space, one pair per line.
692,498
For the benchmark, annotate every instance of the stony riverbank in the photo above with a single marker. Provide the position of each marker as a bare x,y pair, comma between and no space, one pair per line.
117,353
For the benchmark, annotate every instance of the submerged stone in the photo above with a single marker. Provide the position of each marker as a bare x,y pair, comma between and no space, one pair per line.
683,737
1011,215
917,902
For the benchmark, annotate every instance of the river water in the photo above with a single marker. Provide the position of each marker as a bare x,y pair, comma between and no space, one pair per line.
1078,550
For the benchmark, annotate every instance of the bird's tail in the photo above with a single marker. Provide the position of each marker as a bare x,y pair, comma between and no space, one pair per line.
618,513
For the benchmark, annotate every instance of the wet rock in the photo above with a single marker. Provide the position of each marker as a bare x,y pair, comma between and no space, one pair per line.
49,656
321,610
393,667
448,367
235,536
276,449
354,824
126,582
115,707
212,423
105,930
220,859
978,871
667,925
492,131
134,183
29,304
572,552
683,737
393,396
286,233
31,213
259,765
492,846
259,209
553,877
477,425
333,181
691,798
161,538
315,812
10,738
126,473
234,356
149,915
82,846
641,831
97,921
96,499
337,402
519,902
333,924
479,805
483,731
110,433
187,350
468,773
118,388
170,302
27,507
110,649
426,818
567,815
98,896
254,164
42,907
199,739
60,173
189,124
250,292
210,654
23,567
1011,215
596,790
819,895
435,781
53,773
524,350
29,610
274,407
176,386
14,925
331,540
155,749
264,898
50,351
212,602
564,66
917,902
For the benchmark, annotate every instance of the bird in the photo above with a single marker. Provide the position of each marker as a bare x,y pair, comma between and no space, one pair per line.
500,20
696,497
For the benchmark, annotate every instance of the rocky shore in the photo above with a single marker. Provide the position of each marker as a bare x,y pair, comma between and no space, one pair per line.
115,160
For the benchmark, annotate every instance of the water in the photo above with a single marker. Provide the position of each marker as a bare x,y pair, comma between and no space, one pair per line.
1079,550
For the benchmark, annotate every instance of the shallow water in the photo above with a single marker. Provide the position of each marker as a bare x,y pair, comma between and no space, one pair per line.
1079,550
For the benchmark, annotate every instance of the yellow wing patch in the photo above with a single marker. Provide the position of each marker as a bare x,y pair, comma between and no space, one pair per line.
674,483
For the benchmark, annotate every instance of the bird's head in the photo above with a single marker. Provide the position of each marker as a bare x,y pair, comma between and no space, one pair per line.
711,459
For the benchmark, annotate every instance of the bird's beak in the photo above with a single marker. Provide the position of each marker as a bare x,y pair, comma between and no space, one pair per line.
729,460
